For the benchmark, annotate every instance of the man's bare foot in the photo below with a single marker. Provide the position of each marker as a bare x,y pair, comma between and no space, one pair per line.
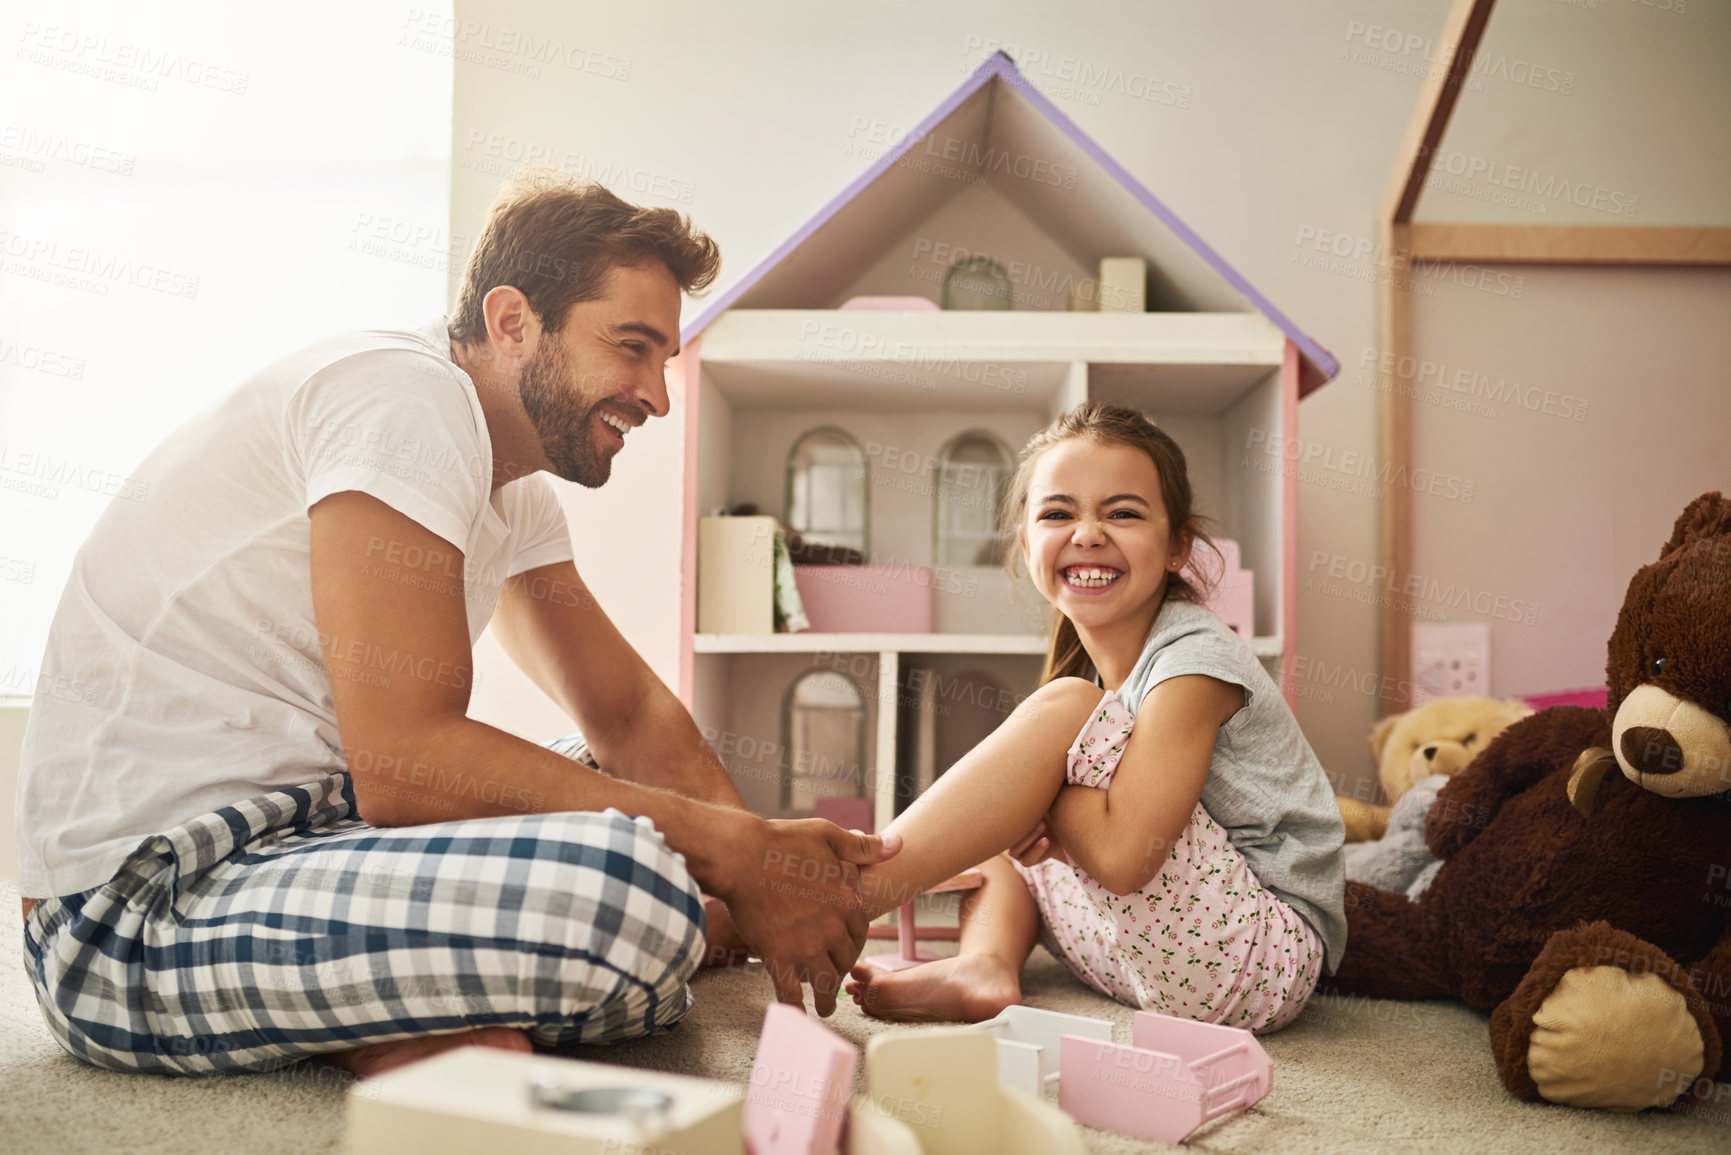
723,946
365,1062
969,988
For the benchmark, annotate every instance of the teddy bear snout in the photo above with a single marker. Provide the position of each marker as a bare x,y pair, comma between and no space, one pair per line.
1442,757
1652,751
1671,746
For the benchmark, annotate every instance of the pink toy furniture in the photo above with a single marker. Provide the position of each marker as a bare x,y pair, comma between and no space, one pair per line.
801,1081
847,813
1176,1076
865,599
908,953
1234,596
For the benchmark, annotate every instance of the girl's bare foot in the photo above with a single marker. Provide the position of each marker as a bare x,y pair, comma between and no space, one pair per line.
968,988
365,1062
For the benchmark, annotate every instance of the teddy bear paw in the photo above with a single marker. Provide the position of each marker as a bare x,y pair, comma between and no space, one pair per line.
1612,1039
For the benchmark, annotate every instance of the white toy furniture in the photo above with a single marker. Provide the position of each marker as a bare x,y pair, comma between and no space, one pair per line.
941,1083
471,1099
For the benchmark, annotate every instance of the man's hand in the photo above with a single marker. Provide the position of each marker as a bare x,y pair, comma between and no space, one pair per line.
794,896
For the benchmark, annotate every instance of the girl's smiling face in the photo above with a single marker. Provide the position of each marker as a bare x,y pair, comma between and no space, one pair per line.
1097,540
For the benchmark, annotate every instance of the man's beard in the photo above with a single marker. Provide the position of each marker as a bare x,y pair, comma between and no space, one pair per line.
562,422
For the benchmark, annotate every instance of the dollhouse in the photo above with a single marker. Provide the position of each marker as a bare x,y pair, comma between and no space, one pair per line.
830,390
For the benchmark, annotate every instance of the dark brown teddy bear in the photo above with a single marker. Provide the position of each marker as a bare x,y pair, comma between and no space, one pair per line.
1584,900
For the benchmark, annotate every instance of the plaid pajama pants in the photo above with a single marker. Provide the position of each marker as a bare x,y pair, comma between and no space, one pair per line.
284,927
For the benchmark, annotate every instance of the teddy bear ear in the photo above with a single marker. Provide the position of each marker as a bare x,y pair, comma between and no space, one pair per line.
1707,516
1379,735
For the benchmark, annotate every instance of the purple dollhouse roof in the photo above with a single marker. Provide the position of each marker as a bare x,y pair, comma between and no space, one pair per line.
998,120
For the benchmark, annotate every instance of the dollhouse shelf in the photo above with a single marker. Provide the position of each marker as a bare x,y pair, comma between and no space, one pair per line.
862,335
811,643
1197,363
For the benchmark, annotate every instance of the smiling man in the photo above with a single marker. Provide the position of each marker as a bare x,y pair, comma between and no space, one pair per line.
270,831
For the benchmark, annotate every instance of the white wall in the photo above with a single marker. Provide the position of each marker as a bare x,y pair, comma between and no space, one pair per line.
1271,132
14,716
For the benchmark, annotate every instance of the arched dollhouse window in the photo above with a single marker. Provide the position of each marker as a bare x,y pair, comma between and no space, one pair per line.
823,725
969,482
826,489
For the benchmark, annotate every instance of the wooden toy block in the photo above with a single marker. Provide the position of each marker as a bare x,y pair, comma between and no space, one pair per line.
482,1099
735,575
1176,1076
1123,285
797,1103
942,1083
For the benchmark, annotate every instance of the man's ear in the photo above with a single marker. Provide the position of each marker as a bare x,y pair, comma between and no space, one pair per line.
513,328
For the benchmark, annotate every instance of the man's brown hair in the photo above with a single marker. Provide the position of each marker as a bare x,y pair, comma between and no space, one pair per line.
556,238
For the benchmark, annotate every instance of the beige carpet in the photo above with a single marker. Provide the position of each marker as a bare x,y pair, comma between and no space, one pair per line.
1350,1076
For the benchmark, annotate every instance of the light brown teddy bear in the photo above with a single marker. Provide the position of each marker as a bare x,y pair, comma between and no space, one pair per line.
1439,737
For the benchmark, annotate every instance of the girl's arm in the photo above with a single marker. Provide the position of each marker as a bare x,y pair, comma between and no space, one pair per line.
1122,834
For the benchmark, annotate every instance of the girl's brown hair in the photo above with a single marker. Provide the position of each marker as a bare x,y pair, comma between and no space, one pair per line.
1109,425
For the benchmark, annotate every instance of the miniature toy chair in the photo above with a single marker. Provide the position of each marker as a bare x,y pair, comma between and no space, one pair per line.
1176,1076
908,953
848,813
939,1081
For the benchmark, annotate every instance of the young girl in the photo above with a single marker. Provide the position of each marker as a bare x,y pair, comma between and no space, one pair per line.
1169,833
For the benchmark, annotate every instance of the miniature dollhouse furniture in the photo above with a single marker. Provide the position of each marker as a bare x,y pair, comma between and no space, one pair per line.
1175,1075
472,1099
908,954
996,170
941,1082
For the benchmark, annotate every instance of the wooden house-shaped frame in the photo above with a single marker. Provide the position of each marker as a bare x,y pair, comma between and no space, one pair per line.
995,169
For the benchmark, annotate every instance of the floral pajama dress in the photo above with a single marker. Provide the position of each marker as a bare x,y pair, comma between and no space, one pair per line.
1203,940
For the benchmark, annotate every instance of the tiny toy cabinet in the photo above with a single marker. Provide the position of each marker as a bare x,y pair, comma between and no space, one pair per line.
777,371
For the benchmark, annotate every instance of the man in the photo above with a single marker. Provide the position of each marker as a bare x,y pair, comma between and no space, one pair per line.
268,830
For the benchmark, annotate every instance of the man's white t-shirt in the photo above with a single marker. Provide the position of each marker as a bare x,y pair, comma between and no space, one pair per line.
184,669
